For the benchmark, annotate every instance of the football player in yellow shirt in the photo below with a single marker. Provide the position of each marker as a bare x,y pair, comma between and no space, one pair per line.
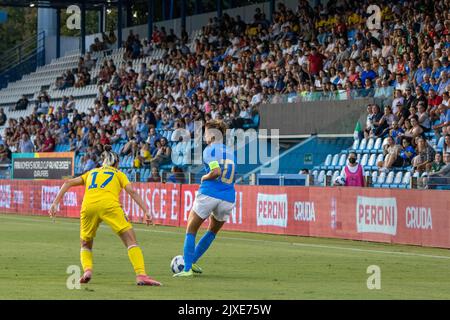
101,203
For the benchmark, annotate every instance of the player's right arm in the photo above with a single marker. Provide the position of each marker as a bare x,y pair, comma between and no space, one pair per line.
135,196
78,181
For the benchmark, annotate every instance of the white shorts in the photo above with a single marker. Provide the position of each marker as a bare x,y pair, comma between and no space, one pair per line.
205,205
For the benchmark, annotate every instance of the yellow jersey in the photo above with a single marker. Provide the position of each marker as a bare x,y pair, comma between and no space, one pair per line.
102,187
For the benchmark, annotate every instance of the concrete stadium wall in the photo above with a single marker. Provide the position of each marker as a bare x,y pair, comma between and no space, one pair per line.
318,117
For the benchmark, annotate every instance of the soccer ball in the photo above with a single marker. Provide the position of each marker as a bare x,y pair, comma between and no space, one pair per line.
177,264
339,181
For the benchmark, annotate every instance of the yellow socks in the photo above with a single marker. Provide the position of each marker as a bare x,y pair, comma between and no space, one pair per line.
137,259
86,258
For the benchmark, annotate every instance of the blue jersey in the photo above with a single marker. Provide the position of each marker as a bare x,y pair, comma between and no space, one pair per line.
219,155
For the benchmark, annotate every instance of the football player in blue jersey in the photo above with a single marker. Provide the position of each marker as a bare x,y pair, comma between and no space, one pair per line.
215,198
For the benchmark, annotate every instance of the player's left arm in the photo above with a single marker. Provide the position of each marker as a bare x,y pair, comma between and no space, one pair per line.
78,181
214,172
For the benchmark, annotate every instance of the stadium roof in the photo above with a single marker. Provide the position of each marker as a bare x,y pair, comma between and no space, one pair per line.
90,4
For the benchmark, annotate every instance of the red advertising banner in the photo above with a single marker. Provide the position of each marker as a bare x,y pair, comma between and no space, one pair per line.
419,217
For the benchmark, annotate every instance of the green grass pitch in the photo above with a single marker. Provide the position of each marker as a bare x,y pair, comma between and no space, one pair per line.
35,254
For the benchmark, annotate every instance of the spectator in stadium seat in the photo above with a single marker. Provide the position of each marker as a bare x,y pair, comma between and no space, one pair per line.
97,45
398,100
407,152
177,175
22,103
384,92
438,163
415,130
444,121
73,142
25,144
88,163
69,79
444,83
89,63
376,120
409,99
143,157
446,146
421,71
425,156
42,106
391,151
163,154
385,123
433,99
396,132
49,143
154,176
5,154
367,73
120,133
441,177
104,139
141,129
402,114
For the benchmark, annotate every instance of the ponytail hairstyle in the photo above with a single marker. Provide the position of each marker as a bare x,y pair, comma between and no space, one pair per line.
109,157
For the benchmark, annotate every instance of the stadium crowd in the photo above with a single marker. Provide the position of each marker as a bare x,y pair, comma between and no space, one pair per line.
307,53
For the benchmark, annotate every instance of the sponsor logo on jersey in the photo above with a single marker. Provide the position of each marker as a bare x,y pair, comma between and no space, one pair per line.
376,215
419,218
272,210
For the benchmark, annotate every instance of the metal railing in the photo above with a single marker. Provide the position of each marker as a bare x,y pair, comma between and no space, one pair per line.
22,59
379,94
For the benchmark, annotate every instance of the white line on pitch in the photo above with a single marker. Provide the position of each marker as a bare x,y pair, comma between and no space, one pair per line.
307,245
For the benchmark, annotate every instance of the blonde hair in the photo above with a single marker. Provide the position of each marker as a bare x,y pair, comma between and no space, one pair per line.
218,125
109,157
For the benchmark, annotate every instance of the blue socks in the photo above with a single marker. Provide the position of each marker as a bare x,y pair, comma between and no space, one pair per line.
191,252
189,248
203,245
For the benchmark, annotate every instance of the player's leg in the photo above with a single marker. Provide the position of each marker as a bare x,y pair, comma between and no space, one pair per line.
119,223
86,259
194,223
217,220
89,222
137,259
202,208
